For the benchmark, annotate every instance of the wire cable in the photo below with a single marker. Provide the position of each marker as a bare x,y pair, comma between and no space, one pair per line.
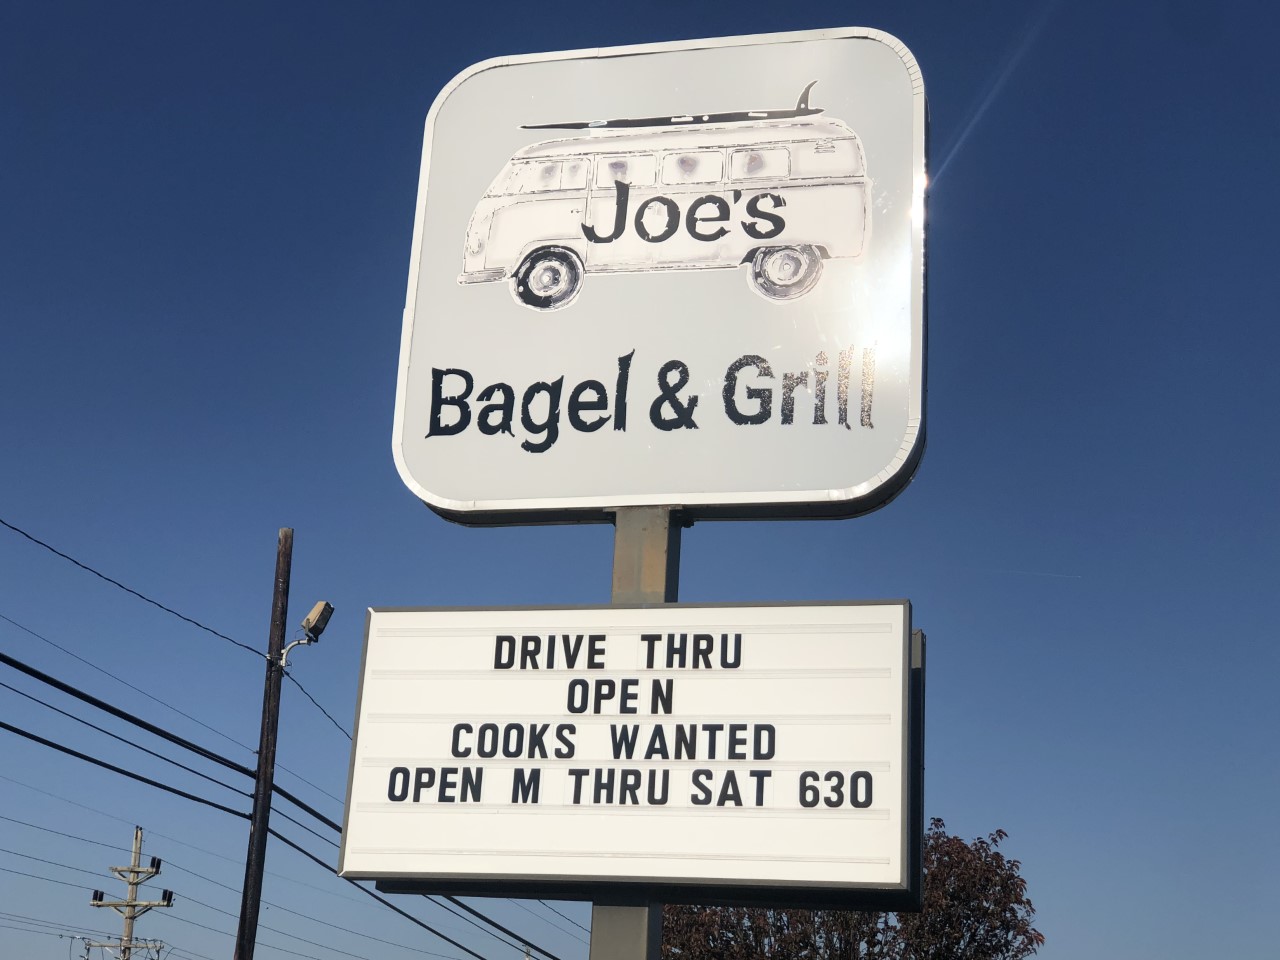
45,933
115,711
116,583
53,923
120,770
299,685
570,919
275,833
151,728
528,943
155,603
209,906
151,696
156,833
36,876
183,952
369,893
260,944
114,736
462,916
277,812
276,906
69,836
534,914
52,863
31,671
121,680
187,898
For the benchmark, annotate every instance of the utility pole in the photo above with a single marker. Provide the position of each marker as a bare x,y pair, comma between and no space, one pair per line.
131,907
259,822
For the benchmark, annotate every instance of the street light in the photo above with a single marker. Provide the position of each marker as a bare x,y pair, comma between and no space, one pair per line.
313,625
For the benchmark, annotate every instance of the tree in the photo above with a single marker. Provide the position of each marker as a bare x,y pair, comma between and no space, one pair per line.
975,908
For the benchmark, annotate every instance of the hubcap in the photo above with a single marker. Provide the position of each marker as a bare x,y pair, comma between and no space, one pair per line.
547,279
784,267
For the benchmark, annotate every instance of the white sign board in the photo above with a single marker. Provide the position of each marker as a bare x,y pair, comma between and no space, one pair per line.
697,753
686,274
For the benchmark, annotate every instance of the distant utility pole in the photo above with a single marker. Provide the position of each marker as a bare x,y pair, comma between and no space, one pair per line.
131,907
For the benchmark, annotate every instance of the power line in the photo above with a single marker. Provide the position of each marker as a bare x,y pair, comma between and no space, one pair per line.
146,693
151,696
291,936
159,732
156,603
52,863
570,919
528,943
120,770
69,836
224,933
114,736
530,911
436,901
183,952
115,711
116,583
43,933
154,833
52,923
36,876
275,833
369,893
209,754
276,906
298,684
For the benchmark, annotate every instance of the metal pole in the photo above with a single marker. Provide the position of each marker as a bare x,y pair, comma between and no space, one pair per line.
255,859
131,908
130,911
646,569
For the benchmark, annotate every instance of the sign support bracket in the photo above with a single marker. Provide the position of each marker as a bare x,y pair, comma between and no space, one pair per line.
646,569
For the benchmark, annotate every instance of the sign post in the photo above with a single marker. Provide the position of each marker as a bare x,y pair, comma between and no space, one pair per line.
646,569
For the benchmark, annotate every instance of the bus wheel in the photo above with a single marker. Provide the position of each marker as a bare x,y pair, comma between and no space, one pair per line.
784,273
548,278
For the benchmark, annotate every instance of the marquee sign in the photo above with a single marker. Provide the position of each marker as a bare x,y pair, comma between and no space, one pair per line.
686,274
684,752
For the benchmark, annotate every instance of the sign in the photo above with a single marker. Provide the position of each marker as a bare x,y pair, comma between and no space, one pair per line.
686,274
688,753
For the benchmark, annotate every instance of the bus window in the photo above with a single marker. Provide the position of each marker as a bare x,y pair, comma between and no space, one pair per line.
529,176
826,158
635,169
575,174
765,163
704,166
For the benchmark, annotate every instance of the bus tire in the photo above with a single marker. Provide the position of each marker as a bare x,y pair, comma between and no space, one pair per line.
548,279
784,273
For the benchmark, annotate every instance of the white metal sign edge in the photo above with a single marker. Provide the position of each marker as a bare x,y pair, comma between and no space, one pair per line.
840,502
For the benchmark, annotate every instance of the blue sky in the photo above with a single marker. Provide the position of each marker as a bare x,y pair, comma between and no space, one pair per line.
205,219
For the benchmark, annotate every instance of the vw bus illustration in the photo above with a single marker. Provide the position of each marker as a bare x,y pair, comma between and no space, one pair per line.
778,191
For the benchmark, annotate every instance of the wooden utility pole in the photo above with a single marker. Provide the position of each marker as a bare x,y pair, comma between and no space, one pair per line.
646,569
131,907
259,822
